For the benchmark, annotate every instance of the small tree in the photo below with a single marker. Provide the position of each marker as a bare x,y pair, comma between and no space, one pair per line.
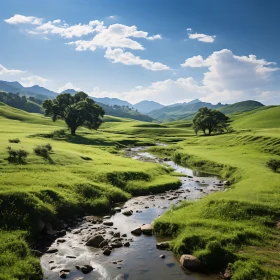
208,120
78,110
273,164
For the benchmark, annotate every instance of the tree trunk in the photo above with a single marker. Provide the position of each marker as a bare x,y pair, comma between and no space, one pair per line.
73,131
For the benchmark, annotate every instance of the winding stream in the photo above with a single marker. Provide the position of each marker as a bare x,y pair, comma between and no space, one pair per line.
141,260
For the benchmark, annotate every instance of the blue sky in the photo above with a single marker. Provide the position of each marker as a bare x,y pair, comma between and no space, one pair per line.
166,51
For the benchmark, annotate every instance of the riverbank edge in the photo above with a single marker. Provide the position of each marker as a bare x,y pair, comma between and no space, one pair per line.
25,242
211,251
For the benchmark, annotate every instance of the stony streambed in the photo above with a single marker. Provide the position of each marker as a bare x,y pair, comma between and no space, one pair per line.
106,248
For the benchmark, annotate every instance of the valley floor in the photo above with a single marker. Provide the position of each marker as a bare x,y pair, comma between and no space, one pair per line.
86,173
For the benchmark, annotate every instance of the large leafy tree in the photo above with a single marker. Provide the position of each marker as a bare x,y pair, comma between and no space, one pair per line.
208,121
77,110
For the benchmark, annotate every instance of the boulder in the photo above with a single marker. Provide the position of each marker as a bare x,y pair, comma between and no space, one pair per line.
84,268
107,223
60,240
95,241
63,273
162,256
163,245
117,234
107,252
103,243
127,212
147,229
61,233
116,245
190,262
137,231
51,250
117,209
126,244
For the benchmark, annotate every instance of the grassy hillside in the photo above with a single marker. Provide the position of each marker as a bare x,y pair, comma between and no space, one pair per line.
264,117
238,225
240,107
83,173
180,111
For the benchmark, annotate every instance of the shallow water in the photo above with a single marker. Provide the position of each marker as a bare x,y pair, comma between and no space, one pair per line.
141,260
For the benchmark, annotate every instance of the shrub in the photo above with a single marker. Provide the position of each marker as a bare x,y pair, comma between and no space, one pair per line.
15,140
86,158
43,150
273,164
17,156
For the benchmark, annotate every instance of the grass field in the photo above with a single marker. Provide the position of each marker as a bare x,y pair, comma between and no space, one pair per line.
84,174
238,225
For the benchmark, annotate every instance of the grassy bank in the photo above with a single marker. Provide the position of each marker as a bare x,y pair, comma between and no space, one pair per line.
82,174
237,226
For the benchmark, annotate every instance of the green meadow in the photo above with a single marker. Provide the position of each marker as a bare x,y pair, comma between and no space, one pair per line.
238,225
87,174
83,174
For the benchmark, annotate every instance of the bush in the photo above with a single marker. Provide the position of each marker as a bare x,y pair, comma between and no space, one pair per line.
17,156
273,164
15,140
43,150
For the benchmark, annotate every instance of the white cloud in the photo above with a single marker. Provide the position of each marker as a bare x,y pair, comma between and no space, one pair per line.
5,71
229,78
195,61
202,37
127,58
166,92
33,80
154,37
67,31
20,19
189,29
112,17
68,86
115,36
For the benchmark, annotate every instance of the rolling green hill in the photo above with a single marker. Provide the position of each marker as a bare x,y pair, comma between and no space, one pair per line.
180,111
240,107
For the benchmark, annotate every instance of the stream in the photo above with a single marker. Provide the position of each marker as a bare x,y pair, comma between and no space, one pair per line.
141,260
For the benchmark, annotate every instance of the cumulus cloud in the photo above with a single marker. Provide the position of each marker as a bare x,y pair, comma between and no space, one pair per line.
228,78
201,37
68,86
127,58
20,19
195,61
5,71
166,92
115,36
33,80
66,31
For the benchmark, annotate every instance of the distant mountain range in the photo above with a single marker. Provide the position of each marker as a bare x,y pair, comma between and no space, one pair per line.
181,110
153,109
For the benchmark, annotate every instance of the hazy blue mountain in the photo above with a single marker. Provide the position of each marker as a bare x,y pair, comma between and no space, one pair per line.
71,91
35,91
181,110
41,90
194,101
8,87
112,101
146,106
15,84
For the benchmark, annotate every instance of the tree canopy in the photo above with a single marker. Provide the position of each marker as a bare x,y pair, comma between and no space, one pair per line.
209,120
76,110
